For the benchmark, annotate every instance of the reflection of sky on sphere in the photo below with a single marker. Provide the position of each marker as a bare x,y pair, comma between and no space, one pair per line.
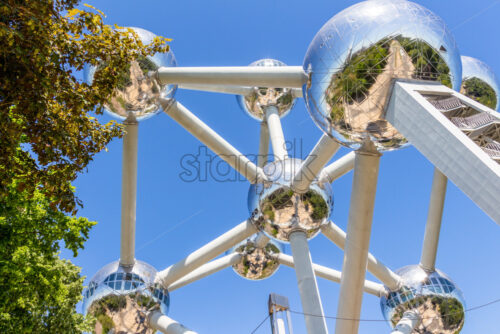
474,68
160,59
413,277
362,25
98,288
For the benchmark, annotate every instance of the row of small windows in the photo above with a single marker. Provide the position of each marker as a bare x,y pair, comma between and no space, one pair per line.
126,281
123,276
440,285
434,284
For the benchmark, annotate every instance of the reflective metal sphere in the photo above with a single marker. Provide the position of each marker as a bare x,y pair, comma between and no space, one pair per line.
277,209
356,54
137,93
261,97
120,298
257,262
480,83
438,301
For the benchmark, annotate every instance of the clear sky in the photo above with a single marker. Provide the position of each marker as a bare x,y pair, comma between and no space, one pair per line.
175,217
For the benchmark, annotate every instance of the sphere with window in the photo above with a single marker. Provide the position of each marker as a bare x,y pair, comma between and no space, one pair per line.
121,297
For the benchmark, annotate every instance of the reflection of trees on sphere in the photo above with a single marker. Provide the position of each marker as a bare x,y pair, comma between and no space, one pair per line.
357,54
480,83
480,91
257,262
137,93
277,209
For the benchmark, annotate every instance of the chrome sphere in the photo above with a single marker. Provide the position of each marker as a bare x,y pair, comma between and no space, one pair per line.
277,209
437,300
119,298
480,83
261,97
257,261
353,59
138,94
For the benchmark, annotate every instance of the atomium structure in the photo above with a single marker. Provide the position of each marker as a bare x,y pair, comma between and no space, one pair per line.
379,76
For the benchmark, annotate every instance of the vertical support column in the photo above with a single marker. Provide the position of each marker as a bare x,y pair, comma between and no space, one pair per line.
129,192
308,287
434,217
364,187
263,145
276,132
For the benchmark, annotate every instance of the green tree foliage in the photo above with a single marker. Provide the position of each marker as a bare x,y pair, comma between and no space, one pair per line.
43,44
39,290
480,91
48,136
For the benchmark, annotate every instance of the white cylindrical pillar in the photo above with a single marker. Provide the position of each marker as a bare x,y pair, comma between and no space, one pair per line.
129,192
206,253
376,267
409,321
434,217
315,161
166,325
308,287
213,140
263,145
276,132
364,187
206,270
337,168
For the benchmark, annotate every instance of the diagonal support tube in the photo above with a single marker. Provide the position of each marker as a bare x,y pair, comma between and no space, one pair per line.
338,168
370,287
317,159
377,268
308,287
206,253
434,217
364,187
213,140
166,325
276,132
129,192
249,76
206,270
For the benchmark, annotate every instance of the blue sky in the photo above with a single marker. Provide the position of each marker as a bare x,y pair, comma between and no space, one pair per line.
176,217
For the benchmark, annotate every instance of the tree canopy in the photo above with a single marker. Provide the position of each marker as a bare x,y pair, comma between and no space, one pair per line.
39,290
43,104
49,134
